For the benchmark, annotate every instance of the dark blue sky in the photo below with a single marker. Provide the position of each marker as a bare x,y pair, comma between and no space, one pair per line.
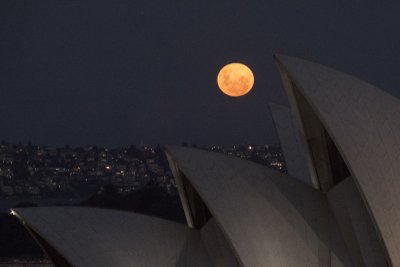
118,72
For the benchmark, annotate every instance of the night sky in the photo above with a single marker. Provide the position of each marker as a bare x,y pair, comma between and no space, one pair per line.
112,73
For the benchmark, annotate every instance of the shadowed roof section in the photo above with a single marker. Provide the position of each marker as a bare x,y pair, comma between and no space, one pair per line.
363,121
100,237
269,218
293,152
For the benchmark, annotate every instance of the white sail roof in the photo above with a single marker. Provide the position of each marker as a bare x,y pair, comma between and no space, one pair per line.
99,237
363,121
269,218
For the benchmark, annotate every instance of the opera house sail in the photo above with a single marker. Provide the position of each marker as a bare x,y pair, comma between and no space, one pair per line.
338,206
351,131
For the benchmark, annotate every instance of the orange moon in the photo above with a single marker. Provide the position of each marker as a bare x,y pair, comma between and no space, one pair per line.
235,79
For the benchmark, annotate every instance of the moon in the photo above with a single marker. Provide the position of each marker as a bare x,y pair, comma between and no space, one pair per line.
235,79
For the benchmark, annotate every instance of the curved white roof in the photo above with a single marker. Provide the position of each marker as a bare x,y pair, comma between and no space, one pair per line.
100,237
364,123
269,219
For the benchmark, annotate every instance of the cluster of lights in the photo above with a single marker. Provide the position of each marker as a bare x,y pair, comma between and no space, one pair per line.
278,164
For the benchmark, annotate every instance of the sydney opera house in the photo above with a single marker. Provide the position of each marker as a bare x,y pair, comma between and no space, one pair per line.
339,204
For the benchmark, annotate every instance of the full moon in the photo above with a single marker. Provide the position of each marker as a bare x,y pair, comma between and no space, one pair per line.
235,79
